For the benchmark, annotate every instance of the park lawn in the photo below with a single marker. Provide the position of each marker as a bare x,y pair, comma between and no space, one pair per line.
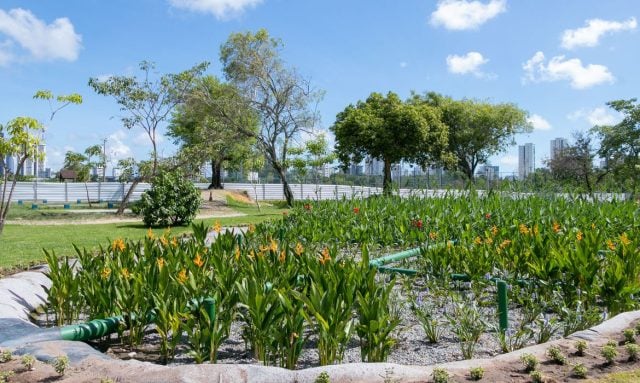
22,245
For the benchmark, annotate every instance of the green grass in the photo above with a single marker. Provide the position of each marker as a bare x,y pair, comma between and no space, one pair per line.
56,211
21,245
619,377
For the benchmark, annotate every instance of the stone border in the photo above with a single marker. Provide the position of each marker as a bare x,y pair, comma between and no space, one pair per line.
22,293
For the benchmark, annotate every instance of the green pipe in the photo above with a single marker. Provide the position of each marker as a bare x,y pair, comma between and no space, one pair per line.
210,307
96,328
503,305
394,257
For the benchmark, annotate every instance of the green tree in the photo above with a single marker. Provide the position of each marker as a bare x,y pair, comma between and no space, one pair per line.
388,129
78,163
200,127
312,156
477,130
148,102
17,139
620,143
279,95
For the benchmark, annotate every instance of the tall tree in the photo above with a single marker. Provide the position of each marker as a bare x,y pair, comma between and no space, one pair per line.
388,129
279,95
620,143
200,126
477,130
148,102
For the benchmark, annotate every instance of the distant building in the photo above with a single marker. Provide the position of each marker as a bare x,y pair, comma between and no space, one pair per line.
356,170
526,160
557,146
490,172
374,167
116,173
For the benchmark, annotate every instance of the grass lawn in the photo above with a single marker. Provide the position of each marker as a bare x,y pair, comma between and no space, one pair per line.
619,377
21,245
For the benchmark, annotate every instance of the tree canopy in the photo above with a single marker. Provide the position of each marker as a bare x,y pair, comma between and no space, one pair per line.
477,129
391,130
283,100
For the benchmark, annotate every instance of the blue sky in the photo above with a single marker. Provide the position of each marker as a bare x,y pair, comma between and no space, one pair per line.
559,60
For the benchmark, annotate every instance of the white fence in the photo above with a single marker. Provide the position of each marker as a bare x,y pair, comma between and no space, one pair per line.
114,192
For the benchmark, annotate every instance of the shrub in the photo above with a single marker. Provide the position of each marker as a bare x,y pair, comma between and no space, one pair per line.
28,361
172,200
632,350
476,373
609,353
323,378
581,347
629,335
555,354
440,375
5,356
529,361
536,376
580,371
60,364
5,375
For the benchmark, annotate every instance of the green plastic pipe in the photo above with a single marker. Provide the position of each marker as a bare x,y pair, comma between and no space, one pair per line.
96,328
503,308
384,269
210,307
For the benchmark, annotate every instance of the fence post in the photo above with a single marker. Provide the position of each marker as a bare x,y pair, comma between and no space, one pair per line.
264,192
99,191
301,191
66,192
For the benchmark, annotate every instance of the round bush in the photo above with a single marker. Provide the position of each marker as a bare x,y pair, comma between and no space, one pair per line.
172,200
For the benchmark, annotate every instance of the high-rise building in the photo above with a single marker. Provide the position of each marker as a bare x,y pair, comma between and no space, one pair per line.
557,146
526,160
374,167
490,172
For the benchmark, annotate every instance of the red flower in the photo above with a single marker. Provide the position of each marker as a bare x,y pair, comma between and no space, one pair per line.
356,210
307,206
417,223
487,216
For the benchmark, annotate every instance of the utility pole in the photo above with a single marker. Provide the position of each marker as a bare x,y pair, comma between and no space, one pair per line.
104,158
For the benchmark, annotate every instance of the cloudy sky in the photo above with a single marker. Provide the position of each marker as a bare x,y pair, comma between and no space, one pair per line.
559,60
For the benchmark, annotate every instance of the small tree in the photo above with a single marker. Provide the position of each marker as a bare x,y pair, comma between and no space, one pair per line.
313,156
17,138
172,200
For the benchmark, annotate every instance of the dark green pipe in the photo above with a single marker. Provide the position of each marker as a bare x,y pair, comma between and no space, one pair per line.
503,305
96,328
384,269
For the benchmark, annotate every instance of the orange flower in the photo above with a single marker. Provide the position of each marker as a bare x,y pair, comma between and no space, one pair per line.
273,246
252,254
251,228
536,230
488,240
150,234
174,242
611,245
324,256
494,230
198,260
125,273
477,241
433,235
160,263
283,256
105,273
217,227
624,239
117,244
556,227
505,243
237,253
523,229
164,241
182,276
299,249
356,210
579,236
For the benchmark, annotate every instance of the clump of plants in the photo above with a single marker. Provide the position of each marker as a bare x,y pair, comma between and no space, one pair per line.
5,376
323,377
556,355
529,361
476,373
632,351
28,361
536,376
440,375
468,325
581,346
172,200
60,364
609,353
629,335
5,356
579,370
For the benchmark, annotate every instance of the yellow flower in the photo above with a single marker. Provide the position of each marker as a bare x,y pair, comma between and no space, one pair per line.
174,242
477,241
217,227
252,254
237,253
593,226
105,273
150,234
494,230
579,235
536,230
198,260
556,227
433,235
125,273
505,243
523,229
164,241
489,240
160,263
324,256
263,248
117,244
182,276
283,256
611,245
624,239
252,228
273,246
299,249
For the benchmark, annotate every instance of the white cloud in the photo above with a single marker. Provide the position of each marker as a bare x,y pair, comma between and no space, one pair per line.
116,148
142,139
538,122
44,42
559,68
596,116
221,9
509,160
589,36
464,14
468,64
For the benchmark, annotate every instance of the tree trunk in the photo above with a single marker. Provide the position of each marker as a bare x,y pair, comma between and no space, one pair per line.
88,198
386,182
127,197
7,204
216,175
288,194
